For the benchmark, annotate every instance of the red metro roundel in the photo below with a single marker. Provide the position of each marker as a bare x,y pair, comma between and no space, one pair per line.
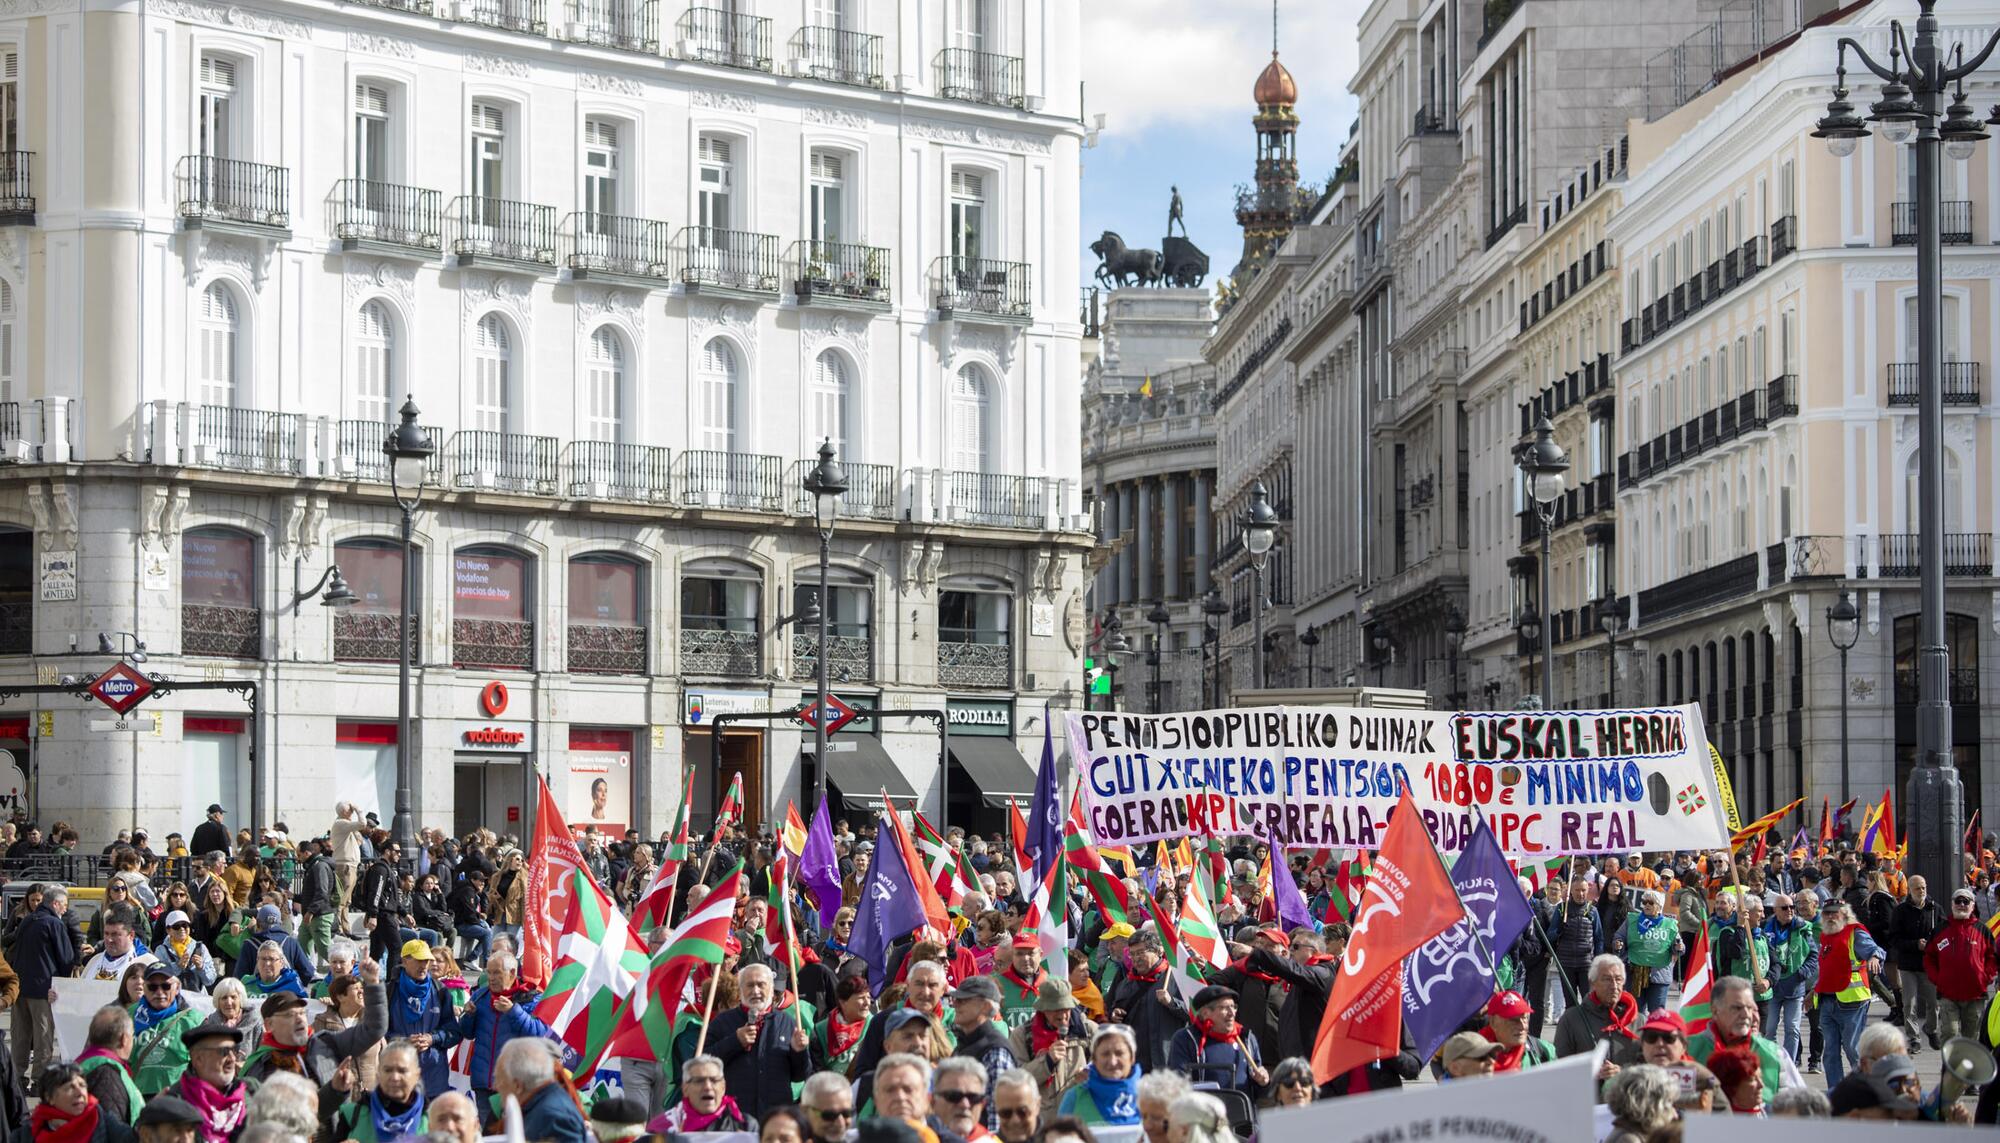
121,688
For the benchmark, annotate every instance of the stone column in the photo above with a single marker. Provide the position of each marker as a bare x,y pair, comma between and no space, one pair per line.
1170,528
1143,591
1204,539
1114,571
1128,556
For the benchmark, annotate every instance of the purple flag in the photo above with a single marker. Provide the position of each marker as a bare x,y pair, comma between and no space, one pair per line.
819,867
1449,977
889,910
1293,912
1045,814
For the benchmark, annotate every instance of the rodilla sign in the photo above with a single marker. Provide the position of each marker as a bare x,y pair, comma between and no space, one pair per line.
1551,783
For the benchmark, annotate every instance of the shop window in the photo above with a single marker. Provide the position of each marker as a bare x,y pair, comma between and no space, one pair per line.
17,591
213,762
607,633
490,620
366,631
219,613
720,605
364,764
849,630
975,638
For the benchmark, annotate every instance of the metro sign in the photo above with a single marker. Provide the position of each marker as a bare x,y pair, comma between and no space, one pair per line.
121,688
836,713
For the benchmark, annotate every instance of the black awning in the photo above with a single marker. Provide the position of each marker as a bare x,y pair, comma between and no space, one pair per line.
996,768
862,773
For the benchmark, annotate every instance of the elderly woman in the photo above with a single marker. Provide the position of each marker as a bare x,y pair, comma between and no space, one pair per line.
394,1109
234,1011
704,1106
1651,945
273,974
1641,1101
341,957
68,1113
1109,1093
1198,1117
1292,1082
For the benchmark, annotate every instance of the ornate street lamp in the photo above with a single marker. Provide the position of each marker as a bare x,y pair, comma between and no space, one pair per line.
409,449
1920,72
1158,616
1213,608
1454,638
1260,531
1544,464
826,483
1843,629
1310,641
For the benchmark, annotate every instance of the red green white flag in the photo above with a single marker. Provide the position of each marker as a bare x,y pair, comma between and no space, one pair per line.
655,905
1200,934
1048,914
598,959
642,1027
940,863
1696,1008
732,804
1104,886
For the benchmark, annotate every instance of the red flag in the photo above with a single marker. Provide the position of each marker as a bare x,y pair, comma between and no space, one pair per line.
1972,834
552,858
1017,831
1757,854
1825,823
1408,899
934,910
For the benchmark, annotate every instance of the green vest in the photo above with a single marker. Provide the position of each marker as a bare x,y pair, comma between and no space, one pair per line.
1741,965
1701,1046
1652,948
1017,1004
134,1099
1790,949
158,1056
352,1121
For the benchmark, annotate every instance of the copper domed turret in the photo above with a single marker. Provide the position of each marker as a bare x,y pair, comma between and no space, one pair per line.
1275,86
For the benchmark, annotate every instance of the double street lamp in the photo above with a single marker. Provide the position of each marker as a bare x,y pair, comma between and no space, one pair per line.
409,448
1543,463
1843,627
1921,72
1260,531
1158,617
1454,638
1212,610
826,484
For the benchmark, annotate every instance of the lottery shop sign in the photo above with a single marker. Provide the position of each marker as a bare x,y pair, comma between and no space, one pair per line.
1551,783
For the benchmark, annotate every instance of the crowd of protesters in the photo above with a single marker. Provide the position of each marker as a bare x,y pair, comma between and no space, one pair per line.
332,987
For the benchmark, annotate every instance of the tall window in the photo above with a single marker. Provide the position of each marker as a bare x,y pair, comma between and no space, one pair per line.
718,396
214,122
489,152
10,99
604,386
969,24
827,14
717,183
600,168
828,199
829,399
968,213
374,343
970,415
1952,487
371,133
7,324
492,370
1949,309
215,333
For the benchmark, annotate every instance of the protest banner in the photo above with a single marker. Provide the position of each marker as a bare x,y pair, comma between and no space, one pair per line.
76,1001
1779,1129
1548,1104
1326,777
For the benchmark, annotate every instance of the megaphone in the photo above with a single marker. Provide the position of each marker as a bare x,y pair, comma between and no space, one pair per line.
1967,1065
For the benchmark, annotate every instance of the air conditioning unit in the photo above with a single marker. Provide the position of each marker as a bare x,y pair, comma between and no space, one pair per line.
484,478
346,466
16,450
576,30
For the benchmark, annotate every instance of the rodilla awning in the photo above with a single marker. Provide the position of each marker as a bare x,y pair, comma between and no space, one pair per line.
862,773
996,768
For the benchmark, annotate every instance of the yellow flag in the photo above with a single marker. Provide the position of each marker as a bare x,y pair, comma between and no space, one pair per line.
1146,389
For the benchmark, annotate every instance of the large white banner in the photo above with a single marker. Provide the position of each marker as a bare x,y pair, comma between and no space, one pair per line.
1780,1129
1551,783
1549,1104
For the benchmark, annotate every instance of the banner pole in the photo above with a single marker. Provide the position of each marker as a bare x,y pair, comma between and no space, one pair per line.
708,1009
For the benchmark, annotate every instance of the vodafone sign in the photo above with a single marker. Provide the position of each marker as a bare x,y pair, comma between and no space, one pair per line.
494,737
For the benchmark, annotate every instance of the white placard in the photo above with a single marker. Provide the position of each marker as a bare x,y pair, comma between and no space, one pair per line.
1782,1129
1548,1104
78,1000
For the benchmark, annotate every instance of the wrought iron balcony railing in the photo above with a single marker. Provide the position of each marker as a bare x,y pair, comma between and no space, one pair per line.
1965,554
1954,223
505,644
420,7
606,649
388,213
234,191
728,259
724,37
709,479
502,229
508,462
1737,577
628,25
981,286
1784,236
514,15
850,653
613,244
964,661
221,631
371,638
249,439
358,452
870,495
980,77
994,499
610,470
1958,381
707,649
837,55
17,191
839,272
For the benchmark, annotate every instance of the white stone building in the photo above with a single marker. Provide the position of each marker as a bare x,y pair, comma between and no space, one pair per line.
633,261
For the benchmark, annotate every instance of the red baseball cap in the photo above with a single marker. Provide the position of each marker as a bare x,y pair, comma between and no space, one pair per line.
1027,941
1511,1005
1663,1020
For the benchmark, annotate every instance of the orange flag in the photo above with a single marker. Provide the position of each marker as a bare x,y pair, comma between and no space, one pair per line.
934,909
1017,832
1407,900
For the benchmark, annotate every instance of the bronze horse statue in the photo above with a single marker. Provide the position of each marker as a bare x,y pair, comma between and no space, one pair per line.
1120,263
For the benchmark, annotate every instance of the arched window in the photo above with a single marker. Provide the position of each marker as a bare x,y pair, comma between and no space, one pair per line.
604,386
719,373
492,374
366,631
492,622
374,353
970,421
219,612
215,333
829,400
607,627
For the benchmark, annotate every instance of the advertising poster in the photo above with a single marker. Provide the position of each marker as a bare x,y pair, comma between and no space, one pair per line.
599,792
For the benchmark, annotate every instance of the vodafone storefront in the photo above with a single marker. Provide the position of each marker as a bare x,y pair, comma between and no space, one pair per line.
491,765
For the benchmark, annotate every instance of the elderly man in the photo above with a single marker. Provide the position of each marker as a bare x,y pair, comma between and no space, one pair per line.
763,1050
1848,956
1912,923
1605,1013
168,1120
210,1082
44,950
527,1071
1062,1034
1263,993
1214,1045
828,1102
395,1108
420,1012
1960,961
902,1087
105,1067
453,1117
159,1020
1733,1027
501,1011
1017,1104
290,1044
1148,1001
1794,966
1308,977
958,1097
1468,1054
1507,1025
923,991
1020,981
975,1011
1663,1044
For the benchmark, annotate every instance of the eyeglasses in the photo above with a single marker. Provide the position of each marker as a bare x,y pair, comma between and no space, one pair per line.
160,985
1659,1037
841,1112
1782,908
116,888
701,1079
1295,1081
966,1097
1016,1113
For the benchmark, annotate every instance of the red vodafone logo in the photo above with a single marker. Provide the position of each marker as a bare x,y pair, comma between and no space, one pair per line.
494,736
493,699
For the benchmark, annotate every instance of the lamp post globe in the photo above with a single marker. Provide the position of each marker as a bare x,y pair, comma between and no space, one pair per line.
1260,532
1843,629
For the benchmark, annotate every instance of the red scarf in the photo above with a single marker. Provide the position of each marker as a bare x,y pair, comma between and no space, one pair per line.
1243,966
284,1056
1509,1059
1027,989
1321,958
1159,970
1624,1013
1206,1031
50,1126
841,1036
1041,1035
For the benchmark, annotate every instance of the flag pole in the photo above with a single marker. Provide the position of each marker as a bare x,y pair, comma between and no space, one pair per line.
708,1009
687,799
1749,937
1478,937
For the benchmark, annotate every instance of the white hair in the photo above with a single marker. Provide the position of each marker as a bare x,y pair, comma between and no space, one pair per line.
1114,1032
529,1063
1651,897
704,1060
1643,1096
1206,1120
959,1065
505,957
287,1102
1878,1040
929,967
904,1060
1163,1087
750,970
1600,963
229,986
1018,1077
822,1084
344,948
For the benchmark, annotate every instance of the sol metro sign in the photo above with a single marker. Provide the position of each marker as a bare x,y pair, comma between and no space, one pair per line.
121,688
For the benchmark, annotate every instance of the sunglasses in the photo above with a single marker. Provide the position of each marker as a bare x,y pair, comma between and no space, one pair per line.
841,1112
159,985
1017,1113
1296,1081
966,1097
1658,1037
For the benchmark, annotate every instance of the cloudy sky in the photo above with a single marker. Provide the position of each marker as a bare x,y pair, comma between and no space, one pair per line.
1173,79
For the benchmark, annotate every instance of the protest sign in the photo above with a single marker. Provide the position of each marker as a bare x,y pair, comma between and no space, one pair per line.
76,1001
1548,1104
1326,777
1779,1129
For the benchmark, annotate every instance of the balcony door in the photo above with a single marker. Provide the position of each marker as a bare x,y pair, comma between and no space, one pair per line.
970,22
1948,334
968,215
1953,490
216,333
371,150
827,14
492,366
718,397
600,185
828,205
215,121
971,430
489,169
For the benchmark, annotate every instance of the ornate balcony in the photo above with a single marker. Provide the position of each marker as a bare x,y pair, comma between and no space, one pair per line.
513,235
387,217
604,649
1726,581
213,629
358,452
710,651
621,24
840,274
870,495
1965,554
371,638
610,470
725,37
1959,381
962,663
507,462
981,287
849,657
635,250
17,627
233,194
513,15
503,644
728,262
1954,223
248,439
837,55
980,77
708,479
994,499
17,192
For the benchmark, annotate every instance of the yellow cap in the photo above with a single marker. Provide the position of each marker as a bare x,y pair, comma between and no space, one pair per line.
416,950
1118,929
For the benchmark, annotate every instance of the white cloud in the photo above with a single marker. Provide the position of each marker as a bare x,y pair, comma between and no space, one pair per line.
1162,62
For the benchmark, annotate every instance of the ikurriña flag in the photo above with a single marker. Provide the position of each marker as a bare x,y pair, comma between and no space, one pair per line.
643,1028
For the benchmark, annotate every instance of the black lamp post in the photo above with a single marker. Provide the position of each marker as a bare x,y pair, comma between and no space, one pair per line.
1915,83
1611,623
826,483
1115,647
1384,649
1158,617
409,449
1529,625
1454,638
1543,464
1212,610
1260,531
1310,641
1843,628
